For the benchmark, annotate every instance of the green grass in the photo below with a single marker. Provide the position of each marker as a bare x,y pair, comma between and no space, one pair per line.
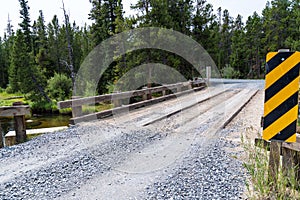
8,99
98,108
260,187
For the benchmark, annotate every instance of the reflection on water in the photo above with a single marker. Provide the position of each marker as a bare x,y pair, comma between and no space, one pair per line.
37,121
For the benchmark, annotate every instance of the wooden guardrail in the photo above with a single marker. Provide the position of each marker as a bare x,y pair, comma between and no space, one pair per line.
18,111
116,98
290,153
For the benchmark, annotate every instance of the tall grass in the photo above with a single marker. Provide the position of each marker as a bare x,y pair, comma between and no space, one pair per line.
259,186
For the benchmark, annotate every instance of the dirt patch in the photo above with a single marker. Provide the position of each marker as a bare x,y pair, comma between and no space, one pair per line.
248,122
244,128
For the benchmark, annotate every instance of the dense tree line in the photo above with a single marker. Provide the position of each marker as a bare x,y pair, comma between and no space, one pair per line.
39,56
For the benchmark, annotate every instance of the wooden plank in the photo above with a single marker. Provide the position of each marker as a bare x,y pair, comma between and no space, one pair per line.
291,165
118,96
10,137
292,146
288,162
38,131
259,142
10,111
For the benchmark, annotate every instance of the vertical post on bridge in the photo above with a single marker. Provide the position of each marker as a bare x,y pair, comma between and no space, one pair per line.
1,137
208,75
20,126
76,110
274,162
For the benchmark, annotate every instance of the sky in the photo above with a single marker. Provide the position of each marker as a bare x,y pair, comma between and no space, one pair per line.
79,10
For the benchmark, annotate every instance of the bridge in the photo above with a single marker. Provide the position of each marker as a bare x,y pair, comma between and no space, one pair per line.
181,142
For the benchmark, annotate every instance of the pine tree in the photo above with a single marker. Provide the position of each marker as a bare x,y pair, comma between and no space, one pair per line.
55,49
104,14
202,23
42,42
19,64
3,67
143,7
293,40
276,22
253,47
237,57
25,24
225,39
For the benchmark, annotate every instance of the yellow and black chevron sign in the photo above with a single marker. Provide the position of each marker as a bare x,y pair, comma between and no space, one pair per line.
281,96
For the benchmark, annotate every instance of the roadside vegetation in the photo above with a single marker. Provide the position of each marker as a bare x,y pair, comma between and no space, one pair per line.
259,186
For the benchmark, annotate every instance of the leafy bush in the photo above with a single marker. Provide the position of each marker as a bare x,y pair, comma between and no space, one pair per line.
9,90
59,87
43,107
230,72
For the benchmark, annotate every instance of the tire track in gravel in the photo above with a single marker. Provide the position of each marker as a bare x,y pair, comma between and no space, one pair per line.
47,151
61,164
147,166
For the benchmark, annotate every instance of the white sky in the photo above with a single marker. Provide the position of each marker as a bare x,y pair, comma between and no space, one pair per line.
79,9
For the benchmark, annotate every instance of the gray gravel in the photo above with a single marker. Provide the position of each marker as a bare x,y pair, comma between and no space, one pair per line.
64,175
55,165
209,173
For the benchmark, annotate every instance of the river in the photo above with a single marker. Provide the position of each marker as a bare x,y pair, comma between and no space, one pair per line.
37,121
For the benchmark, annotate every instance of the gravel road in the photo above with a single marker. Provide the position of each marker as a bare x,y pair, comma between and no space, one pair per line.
184,156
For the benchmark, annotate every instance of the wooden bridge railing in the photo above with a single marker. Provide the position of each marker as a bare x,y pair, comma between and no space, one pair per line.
290,157
116,98
18,111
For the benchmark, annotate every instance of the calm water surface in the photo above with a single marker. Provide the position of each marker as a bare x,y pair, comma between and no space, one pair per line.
37,121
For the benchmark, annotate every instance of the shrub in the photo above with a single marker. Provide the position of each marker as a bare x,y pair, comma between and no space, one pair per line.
59,87
43,107
9,90
230,72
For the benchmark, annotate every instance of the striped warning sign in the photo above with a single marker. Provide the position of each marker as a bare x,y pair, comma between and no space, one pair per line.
281,96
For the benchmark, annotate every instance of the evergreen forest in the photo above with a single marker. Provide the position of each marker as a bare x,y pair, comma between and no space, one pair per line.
40,59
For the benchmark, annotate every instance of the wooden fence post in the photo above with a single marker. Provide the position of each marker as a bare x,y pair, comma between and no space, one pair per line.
149,95
20,126
77,110
190,86
116,102
1,138
297,166
288,163
178,89
208,75
274,162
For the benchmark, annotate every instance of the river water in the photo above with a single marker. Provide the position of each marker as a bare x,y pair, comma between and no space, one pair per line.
37,121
